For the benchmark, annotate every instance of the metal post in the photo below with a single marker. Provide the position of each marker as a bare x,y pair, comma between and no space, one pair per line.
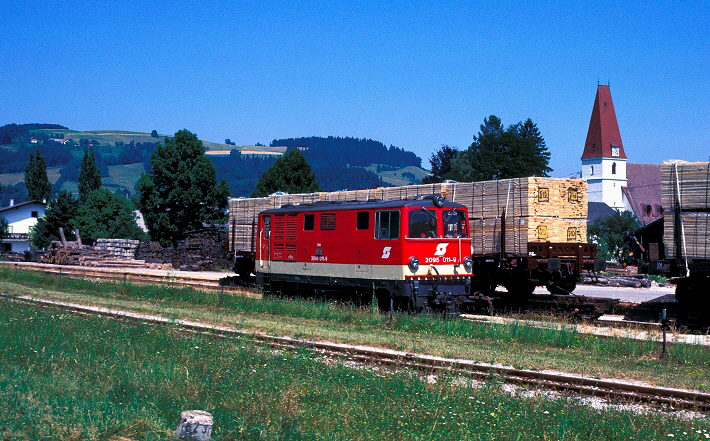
664,325
221,295
391,307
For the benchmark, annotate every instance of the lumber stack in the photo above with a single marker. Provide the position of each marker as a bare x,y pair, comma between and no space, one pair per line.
537,210
686,186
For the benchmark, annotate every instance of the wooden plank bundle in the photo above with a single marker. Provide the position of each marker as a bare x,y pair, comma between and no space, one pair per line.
690,181
686,186
537,210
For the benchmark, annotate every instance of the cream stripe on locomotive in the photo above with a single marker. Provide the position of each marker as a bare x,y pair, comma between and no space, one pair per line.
348,271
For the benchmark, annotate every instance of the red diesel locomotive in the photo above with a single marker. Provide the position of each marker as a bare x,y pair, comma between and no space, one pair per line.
411,255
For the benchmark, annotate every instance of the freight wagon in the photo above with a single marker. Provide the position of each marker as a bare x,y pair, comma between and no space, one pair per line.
678,245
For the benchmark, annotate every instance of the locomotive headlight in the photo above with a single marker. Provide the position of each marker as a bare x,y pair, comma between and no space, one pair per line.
413,264
468,263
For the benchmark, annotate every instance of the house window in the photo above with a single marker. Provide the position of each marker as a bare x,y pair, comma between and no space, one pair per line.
592,171
35,214
6,247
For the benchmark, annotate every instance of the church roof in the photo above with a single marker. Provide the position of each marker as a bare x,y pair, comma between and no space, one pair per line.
603,136
643,191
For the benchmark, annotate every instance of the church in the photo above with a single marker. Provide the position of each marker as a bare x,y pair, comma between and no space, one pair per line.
614,184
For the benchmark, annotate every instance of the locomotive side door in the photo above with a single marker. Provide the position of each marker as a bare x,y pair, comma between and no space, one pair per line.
363,260
265,243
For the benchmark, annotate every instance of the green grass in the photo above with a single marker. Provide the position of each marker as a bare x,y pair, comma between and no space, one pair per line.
558,347
67,376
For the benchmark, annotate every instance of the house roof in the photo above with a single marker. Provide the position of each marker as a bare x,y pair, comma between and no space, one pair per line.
597,210
603,132
643,191
21,204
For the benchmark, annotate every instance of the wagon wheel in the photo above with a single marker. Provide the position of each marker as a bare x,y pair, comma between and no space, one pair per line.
564,286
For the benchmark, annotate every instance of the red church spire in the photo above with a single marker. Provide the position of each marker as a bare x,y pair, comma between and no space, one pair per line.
603,137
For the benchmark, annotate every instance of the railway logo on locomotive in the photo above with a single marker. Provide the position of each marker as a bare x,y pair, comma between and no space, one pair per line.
386,252
441,249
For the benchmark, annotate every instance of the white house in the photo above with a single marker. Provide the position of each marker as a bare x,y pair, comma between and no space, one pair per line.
20,218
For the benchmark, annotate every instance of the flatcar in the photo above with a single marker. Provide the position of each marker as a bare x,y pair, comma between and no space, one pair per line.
412,255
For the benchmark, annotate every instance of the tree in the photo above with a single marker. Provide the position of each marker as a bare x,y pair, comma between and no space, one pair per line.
107,215
180,190
440,164
154,134
89,175
59,213
291,174
499,153
38,186
609,231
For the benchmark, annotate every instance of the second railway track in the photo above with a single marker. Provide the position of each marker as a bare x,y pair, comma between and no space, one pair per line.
667,398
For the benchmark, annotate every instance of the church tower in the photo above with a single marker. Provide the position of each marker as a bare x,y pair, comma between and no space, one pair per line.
604,160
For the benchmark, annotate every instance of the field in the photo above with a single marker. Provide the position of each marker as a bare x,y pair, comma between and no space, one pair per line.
75,377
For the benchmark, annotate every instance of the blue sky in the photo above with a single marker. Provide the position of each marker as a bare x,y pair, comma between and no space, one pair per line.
412,74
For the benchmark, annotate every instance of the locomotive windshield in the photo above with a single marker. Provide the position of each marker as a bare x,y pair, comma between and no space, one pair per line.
455,224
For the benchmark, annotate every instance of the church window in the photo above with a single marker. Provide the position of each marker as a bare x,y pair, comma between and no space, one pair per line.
613,168
592,170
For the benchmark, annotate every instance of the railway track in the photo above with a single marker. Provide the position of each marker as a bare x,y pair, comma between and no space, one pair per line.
666,398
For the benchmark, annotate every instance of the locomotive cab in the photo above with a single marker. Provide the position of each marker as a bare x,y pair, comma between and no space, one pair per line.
409,254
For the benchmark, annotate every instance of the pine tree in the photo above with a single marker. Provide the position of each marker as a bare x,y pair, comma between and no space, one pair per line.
36,181
291,174
500,153
89,175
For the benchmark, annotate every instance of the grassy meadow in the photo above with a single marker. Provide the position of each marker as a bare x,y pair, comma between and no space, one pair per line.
66,376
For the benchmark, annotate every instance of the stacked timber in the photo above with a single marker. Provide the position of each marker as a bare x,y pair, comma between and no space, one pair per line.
536,210
119,248
73,253
686,188
202,250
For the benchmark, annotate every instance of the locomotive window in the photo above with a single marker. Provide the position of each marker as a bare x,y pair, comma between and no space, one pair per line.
387,225
454,224
309,222
267,227
327,221
363,220
422,224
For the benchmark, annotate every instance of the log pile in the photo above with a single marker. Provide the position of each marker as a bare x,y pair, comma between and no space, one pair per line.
686,186
119,248
73,253
202,250
537,210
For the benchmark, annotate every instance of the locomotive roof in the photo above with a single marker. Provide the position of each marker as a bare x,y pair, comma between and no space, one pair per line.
360,205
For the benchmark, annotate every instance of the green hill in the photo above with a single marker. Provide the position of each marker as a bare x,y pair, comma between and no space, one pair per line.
125,154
